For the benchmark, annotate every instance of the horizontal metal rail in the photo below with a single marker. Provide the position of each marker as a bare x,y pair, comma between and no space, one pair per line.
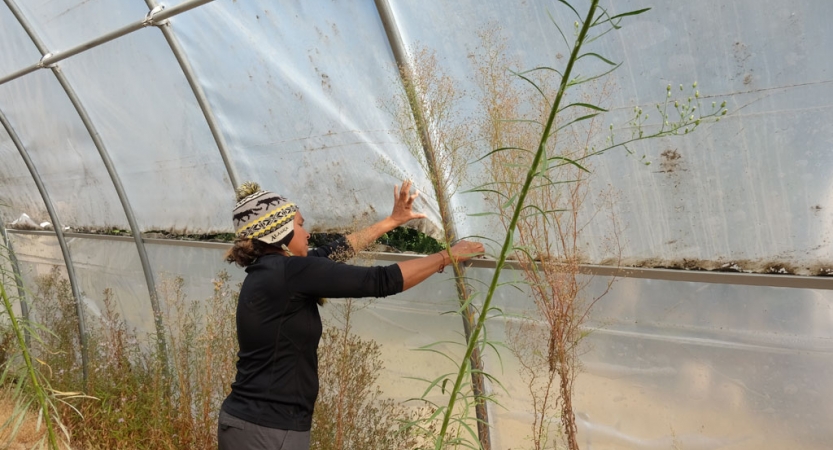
151,19
690,276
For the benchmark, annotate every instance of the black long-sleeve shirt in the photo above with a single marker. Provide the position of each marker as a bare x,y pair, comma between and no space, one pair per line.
279,327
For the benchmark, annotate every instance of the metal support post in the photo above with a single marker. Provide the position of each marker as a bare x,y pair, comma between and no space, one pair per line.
449,226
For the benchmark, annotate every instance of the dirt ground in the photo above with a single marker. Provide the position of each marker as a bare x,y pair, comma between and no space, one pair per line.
29,432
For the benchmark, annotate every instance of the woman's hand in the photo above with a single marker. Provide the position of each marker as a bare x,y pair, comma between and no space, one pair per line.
466,250
403,203
403,212
416,270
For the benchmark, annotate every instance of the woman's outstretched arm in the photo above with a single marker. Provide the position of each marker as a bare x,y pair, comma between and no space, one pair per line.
415,271
402,213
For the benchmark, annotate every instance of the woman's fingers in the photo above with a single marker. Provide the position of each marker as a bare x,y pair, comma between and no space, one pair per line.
406,190
465,250
404,195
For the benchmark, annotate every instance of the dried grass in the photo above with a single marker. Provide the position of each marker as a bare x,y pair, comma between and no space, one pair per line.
29,434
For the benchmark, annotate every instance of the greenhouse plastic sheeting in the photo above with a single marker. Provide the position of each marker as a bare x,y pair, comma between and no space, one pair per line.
99,265
58,22
19,191
18,49
695,365
198,267
158,139
63,153
754,186
37,257
297,90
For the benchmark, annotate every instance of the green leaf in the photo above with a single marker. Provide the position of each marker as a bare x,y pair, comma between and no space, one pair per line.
597,56
483,214
435,382
584,105
544,167
465,305
589,116
502,149
471,433
635,12
535,122
577,81
571,7
434,344
613,19
491,191
560,31
510,201
594,38
538,88
524,72
500,358
571,162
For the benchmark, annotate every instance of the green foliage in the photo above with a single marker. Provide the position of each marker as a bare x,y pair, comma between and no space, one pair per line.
410,240
402,239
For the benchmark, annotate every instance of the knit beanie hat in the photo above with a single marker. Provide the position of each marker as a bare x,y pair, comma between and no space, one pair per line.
262,215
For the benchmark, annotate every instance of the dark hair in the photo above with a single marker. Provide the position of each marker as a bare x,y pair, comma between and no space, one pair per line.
246,251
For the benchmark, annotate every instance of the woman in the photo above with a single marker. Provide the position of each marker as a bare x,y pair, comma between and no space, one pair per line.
278,325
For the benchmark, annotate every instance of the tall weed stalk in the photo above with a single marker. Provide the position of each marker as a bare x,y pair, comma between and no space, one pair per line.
545,343
350,412
539,203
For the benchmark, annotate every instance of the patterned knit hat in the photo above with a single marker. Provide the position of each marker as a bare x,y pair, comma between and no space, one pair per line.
262,215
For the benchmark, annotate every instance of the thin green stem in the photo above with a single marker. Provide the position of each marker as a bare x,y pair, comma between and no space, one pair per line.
507,243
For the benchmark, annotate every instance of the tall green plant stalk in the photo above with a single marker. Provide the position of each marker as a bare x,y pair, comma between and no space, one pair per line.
553,275
41,394
519,206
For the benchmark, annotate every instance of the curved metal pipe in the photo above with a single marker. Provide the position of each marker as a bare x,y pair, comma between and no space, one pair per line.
59,233
111,171
185,65
151,19
18,278
449,225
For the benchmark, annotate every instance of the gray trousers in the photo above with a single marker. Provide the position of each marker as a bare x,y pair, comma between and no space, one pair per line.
237,434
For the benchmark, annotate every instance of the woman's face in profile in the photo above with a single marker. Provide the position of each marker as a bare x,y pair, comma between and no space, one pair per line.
300,242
